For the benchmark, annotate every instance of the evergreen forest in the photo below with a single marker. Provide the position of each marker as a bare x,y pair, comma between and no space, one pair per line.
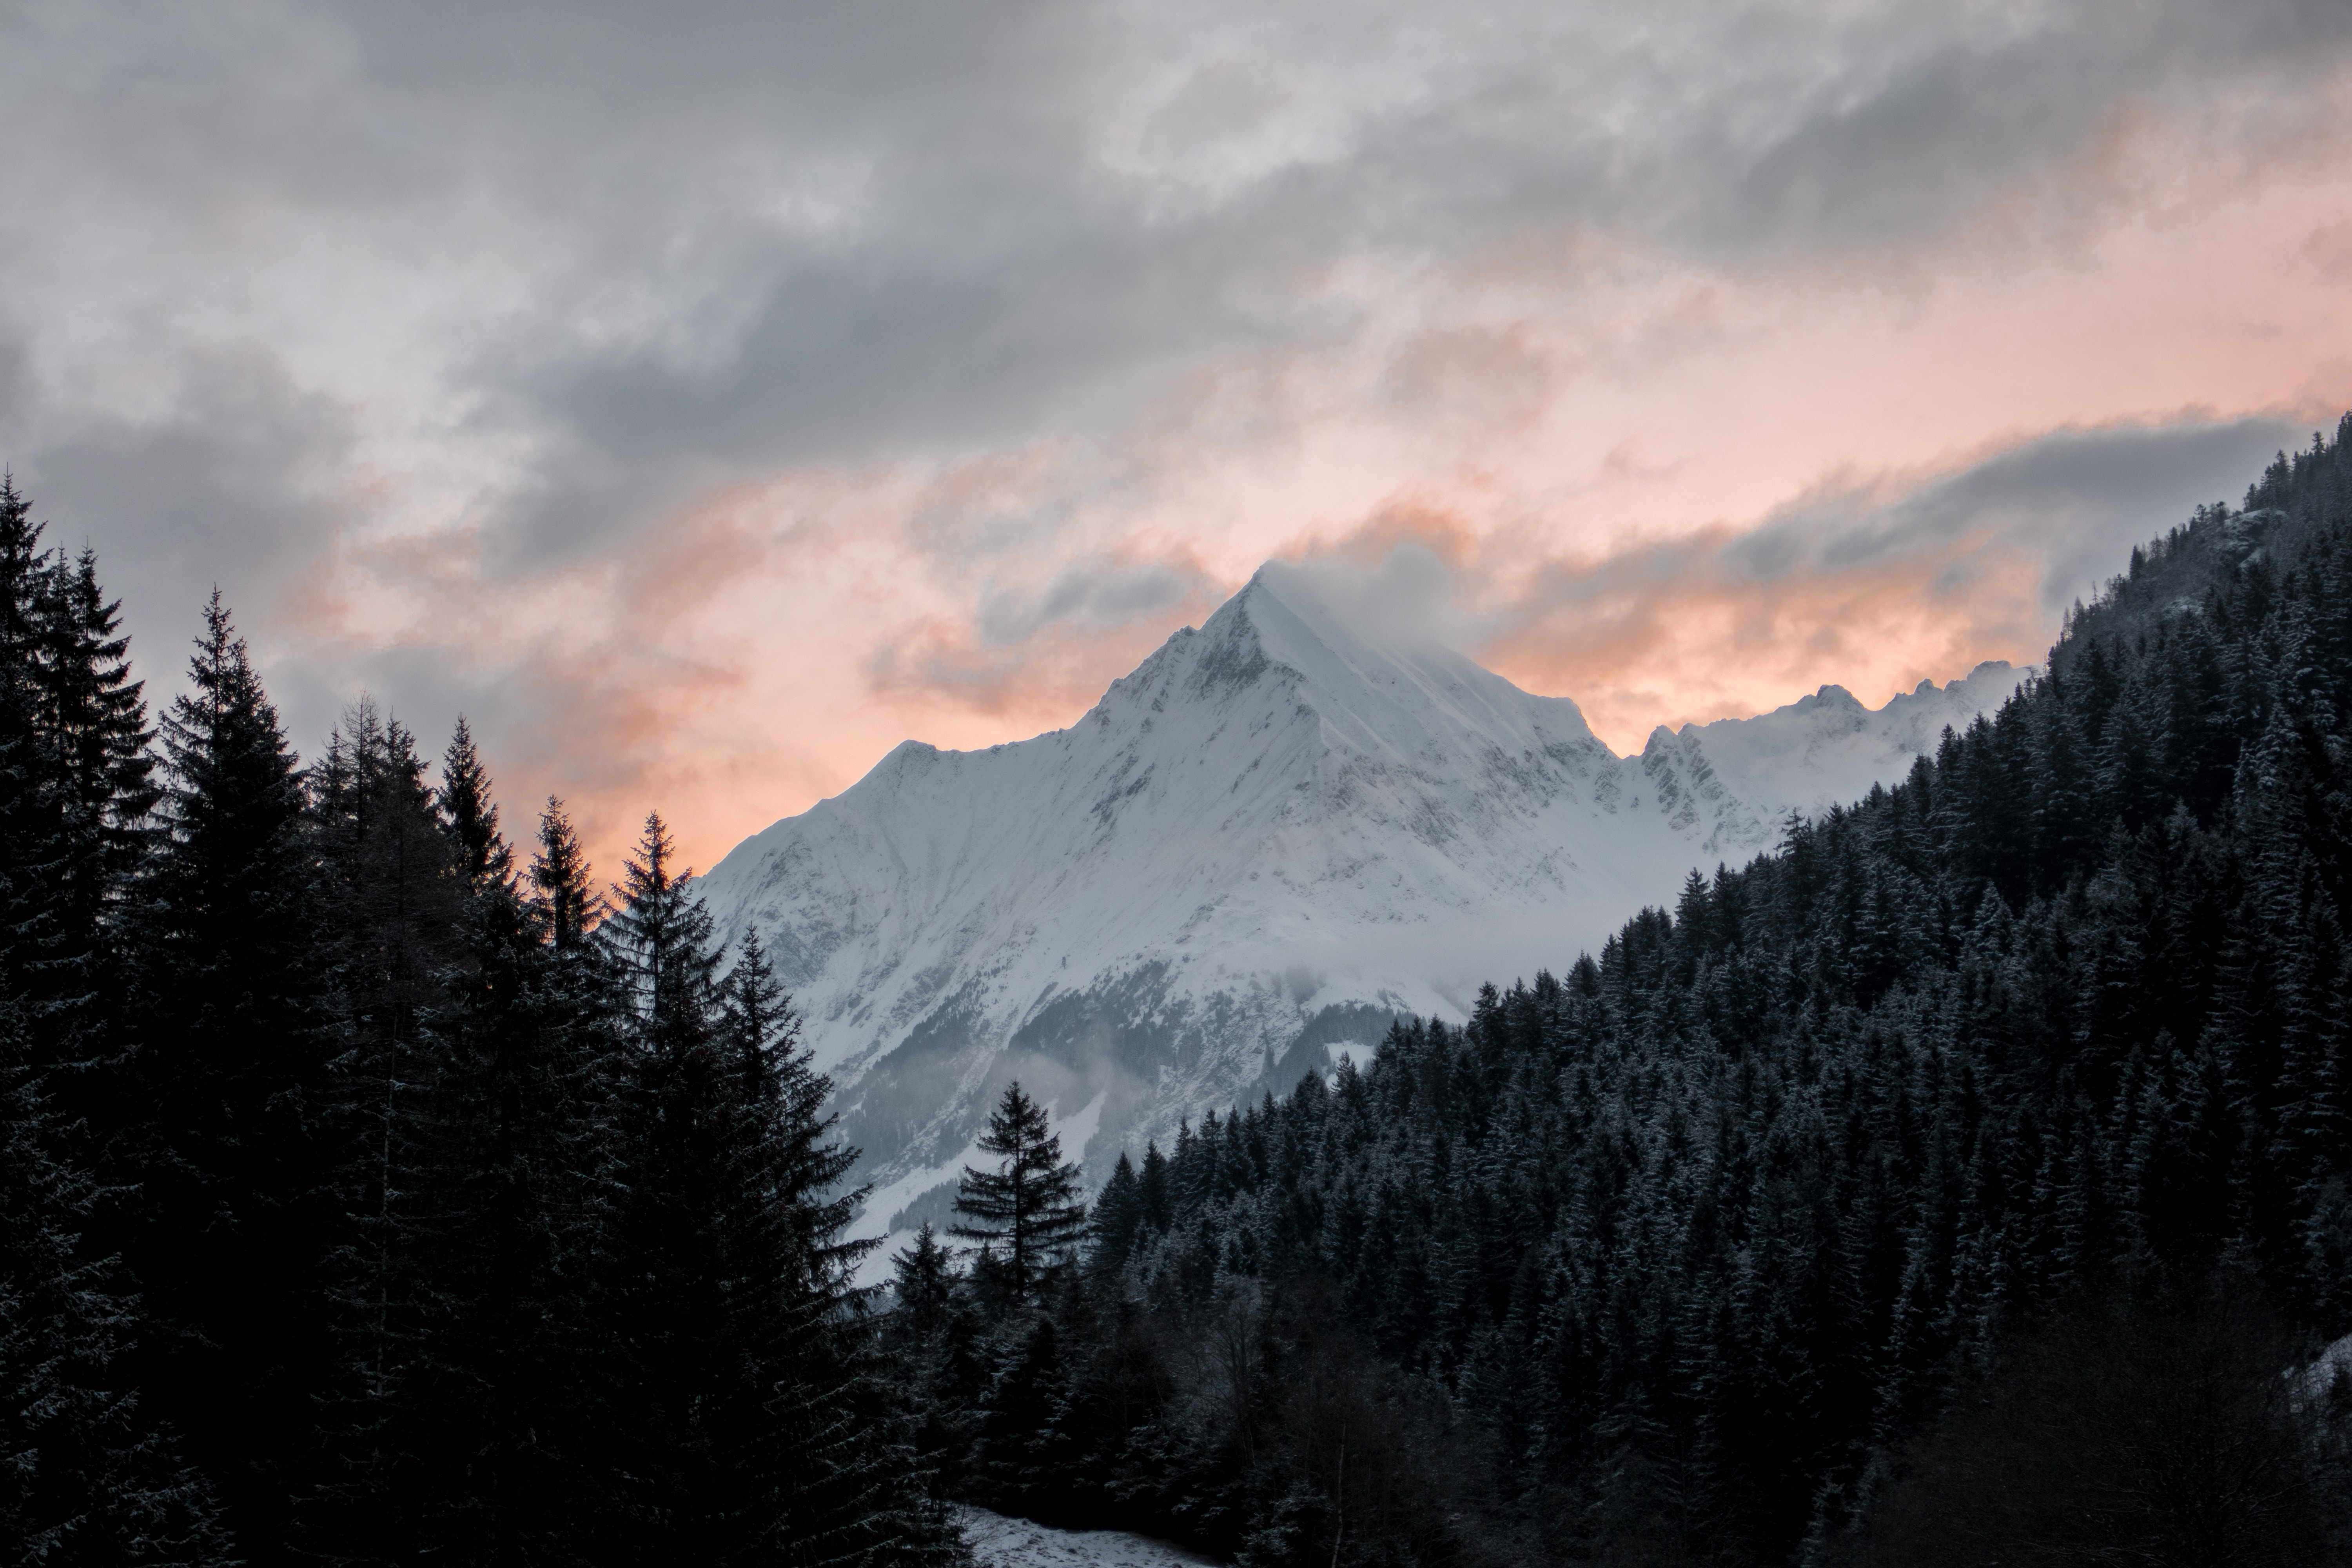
376,1190
1967,1180
1957,1184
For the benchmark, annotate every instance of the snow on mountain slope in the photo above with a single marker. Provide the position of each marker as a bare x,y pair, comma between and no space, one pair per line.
1280,829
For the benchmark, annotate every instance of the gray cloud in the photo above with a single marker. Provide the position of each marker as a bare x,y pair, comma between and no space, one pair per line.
1089,596
2074,500
240,487
998,280
603,257
752,235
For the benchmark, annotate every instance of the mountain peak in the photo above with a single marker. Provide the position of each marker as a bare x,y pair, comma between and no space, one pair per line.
1307,611
1274,832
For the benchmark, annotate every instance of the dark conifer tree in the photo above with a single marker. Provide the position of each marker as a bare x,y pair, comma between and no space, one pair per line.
37,952
522,1199
560,881
238,1211
1029,1205
85,1477
747,1417
1117,1216
97,717
389,905
923,1285
483,856
85,1474
1154,1196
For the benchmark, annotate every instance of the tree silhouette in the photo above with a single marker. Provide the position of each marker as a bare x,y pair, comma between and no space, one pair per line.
1029,1203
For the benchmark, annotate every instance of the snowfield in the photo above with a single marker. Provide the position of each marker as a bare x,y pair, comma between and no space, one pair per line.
1001,1542
1281,829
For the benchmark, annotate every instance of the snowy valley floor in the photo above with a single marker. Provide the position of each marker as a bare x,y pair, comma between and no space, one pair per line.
1001,1542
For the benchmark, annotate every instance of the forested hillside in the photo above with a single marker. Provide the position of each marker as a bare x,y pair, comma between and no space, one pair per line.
1967,1181
1802,1222
369,1195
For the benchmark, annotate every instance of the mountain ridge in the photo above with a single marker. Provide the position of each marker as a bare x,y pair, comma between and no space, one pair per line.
1282,826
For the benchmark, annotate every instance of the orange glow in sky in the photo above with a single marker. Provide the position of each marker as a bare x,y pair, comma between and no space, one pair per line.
1580,468
702,442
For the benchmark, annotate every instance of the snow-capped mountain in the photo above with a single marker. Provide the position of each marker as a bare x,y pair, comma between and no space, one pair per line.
1279,831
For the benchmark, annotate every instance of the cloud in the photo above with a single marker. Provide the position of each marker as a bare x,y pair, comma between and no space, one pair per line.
643,255
1479,372
1089,596
1872,580
239,485
1037,653
703,398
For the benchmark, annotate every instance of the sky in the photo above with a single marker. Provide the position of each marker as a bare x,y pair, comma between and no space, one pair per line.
703,398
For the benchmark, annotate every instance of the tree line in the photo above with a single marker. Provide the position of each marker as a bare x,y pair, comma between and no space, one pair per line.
1960,1183
374,1190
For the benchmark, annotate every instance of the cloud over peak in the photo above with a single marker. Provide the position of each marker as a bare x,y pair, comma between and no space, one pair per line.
705,396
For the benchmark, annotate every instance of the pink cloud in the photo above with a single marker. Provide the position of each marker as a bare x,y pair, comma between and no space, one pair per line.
1594,441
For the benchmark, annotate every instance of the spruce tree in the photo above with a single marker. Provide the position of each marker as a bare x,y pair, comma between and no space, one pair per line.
561,883
483,856
522,1196
237,1213
1117,1216
389,904
85,1476
748,1428
923,1285
99,715
1029,1203
38,950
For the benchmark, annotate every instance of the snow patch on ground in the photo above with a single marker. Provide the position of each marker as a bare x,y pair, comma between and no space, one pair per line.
998,1541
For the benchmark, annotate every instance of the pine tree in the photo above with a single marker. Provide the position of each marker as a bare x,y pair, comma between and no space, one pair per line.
559,875
1154,1194
923,1283
85,1479
750,1427
389,906
237,1213
483,856
522,1195
1119,1215
37,950
1029,1203
85,1474
97,720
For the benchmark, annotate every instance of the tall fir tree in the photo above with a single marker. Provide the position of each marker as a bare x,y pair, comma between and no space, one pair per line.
37,950
86,1475
483,856
389,905
1029,1205
520,1198
738,1387
85,1480
238,1212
